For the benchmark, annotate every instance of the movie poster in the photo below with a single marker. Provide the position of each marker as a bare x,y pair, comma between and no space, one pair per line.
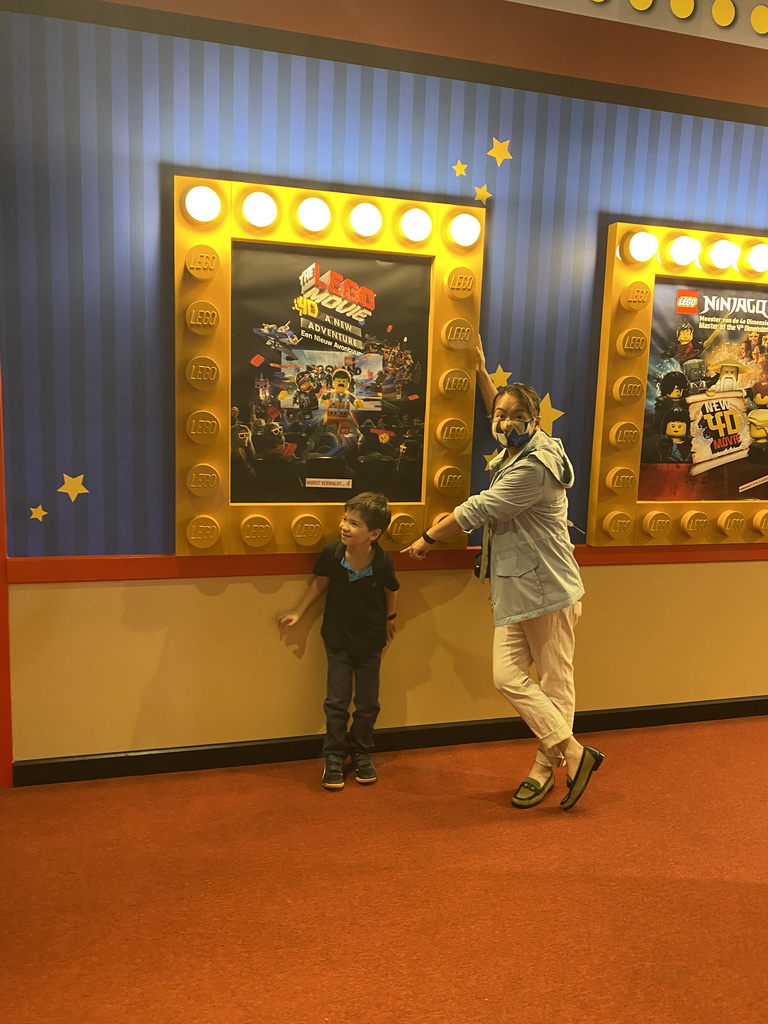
705,434
329,367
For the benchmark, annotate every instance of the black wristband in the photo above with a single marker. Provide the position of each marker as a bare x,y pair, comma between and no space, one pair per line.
390,617
425,536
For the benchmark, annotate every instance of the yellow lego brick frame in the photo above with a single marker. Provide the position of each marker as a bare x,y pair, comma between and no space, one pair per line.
616,517
206,522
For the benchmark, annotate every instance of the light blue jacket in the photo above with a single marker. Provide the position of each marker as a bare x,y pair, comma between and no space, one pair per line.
532,567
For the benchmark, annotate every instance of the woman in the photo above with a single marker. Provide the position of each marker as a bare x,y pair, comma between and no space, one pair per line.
535,583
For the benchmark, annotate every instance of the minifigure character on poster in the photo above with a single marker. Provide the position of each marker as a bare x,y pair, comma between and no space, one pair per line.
695,372
726,377
305,395
757,396
341,404
674,445
673,386
758,432
757,417
686,347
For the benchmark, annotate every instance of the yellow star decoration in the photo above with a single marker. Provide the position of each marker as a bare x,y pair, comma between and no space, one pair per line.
73,486
38,513
460,168
499,378
489,459
482,193
500,152
548,414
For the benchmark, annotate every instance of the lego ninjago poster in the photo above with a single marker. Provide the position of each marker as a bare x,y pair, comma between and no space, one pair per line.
705,432
329,361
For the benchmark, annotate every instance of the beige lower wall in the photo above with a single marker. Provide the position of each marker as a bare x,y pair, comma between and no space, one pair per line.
101,667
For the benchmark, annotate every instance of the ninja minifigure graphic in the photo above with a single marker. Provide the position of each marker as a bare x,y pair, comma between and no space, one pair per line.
674,445
695,371
686,346
758,422
727,377
758,432
757,395
673,386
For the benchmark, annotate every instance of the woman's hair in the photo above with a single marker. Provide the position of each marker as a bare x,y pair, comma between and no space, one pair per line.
526,396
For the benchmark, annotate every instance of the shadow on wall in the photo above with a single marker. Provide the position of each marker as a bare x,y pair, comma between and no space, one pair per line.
438,666
439,657
222,675
226,674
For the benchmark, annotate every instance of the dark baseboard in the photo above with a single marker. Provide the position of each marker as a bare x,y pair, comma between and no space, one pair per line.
298,748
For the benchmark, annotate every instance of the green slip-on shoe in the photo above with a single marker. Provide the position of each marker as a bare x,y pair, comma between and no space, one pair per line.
591,760
529,792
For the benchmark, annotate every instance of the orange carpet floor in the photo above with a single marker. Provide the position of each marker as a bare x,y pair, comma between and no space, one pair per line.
253,896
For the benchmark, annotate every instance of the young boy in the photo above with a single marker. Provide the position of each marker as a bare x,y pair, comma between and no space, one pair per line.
359,621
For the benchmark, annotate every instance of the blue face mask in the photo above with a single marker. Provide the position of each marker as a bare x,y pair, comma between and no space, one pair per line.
516,434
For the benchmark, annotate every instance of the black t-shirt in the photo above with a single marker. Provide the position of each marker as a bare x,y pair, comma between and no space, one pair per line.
355,617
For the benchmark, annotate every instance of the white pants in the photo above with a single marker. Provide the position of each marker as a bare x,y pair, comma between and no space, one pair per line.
546,707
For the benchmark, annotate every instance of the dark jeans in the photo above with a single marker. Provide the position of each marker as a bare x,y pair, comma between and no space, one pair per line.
341,669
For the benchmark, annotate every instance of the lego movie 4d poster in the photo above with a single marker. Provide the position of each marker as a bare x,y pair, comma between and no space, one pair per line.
329,368
705,434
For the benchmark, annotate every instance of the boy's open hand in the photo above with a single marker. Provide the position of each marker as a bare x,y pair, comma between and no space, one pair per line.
287,620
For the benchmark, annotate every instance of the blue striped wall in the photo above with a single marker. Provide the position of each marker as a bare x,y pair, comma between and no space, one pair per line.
93,121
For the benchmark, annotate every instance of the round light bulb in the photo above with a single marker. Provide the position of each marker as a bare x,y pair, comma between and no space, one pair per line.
642,246
416,224
684,250
259,209
366,220
723,254
314,214
465,229
757,258
202,203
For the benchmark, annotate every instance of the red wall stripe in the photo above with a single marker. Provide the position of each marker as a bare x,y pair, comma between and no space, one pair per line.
116,568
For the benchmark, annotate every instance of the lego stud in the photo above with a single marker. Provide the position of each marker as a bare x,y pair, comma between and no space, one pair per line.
203,480
203,532
618,525
256,531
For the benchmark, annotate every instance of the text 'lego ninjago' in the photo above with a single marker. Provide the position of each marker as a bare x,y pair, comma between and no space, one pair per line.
706,406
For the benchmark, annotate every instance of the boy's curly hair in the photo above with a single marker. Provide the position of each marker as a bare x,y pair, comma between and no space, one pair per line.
372,509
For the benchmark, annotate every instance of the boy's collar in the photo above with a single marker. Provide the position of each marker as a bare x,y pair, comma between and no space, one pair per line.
341,550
